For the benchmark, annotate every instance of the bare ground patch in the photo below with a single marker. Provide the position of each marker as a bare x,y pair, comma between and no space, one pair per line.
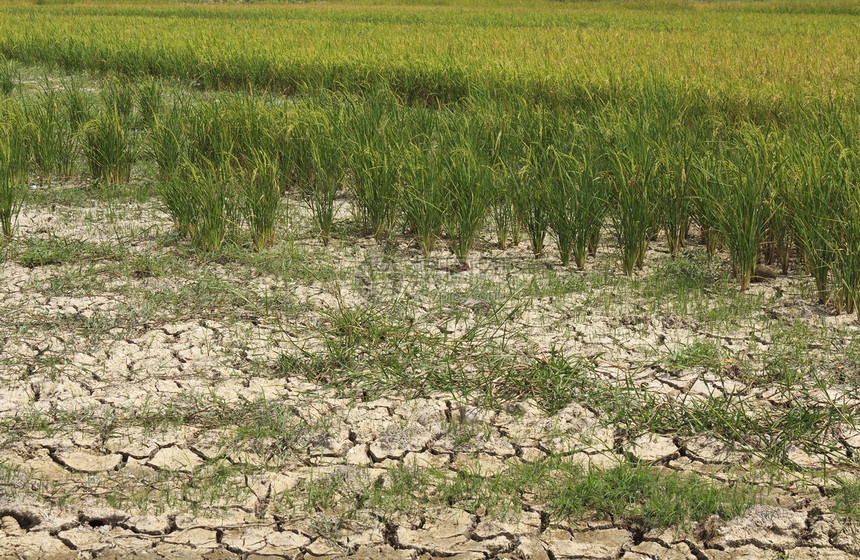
360,400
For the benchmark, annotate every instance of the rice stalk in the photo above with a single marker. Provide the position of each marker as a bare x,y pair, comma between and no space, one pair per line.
422,197
260,197
13,171
108,148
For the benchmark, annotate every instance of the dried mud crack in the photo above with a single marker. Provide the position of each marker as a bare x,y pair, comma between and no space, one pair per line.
308,415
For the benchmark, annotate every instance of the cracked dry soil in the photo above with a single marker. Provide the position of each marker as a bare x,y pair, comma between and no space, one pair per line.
122,439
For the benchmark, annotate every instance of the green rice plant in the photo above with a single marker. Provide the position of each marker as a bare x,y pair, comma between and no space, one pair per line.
376,177
294,150
13,173
502,211
51,142
13,124
374,169
150,101
528,177
260,198
180,200
846,234
167,143
506,148
735,195
528,187
577,205
254,126
466,187
117,95
317,149
703,171
77,106
422,196
211,138
673,179
217,212
10,77
108,148
777,245
812,203
11,197
633,205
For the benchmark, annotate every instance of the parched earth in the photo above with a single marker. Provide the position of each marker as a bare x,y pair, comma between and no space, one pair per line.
157,403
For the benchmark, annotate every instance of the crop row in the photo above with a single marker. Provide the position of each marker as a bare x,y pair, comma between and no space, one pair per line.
761,193
722,58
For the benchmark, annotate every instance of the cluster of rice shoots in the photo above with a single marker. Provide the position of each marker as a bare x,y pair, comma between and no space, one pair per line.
675,161
14,166
260,199
51,141
374,166
422,196
255,128
217,209
211,138
576,204
150,101
846,233
501,198
109,148
466,185
318,163
777,242
77,106
813,201
117,95
529,174
167,143
634,198
734,195
201,200
10,77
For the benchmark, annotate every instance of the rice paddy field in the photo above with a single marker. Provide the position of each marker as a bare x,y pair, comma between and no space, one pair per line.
434,279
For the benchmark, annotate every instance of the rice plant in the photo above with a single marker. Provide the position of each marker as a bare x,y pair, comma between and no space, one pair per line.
108,148
217,210
777,244
167,143
14,157
577,205
10,77
466,189
13,124
845,233
704,213
812,202
735,195
674,186
633,206
505,149
11,195
77,106
318,162
51,140
254,127
211,138
260,199
528,177
117,95
150,101
374,168
422,197
180,200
